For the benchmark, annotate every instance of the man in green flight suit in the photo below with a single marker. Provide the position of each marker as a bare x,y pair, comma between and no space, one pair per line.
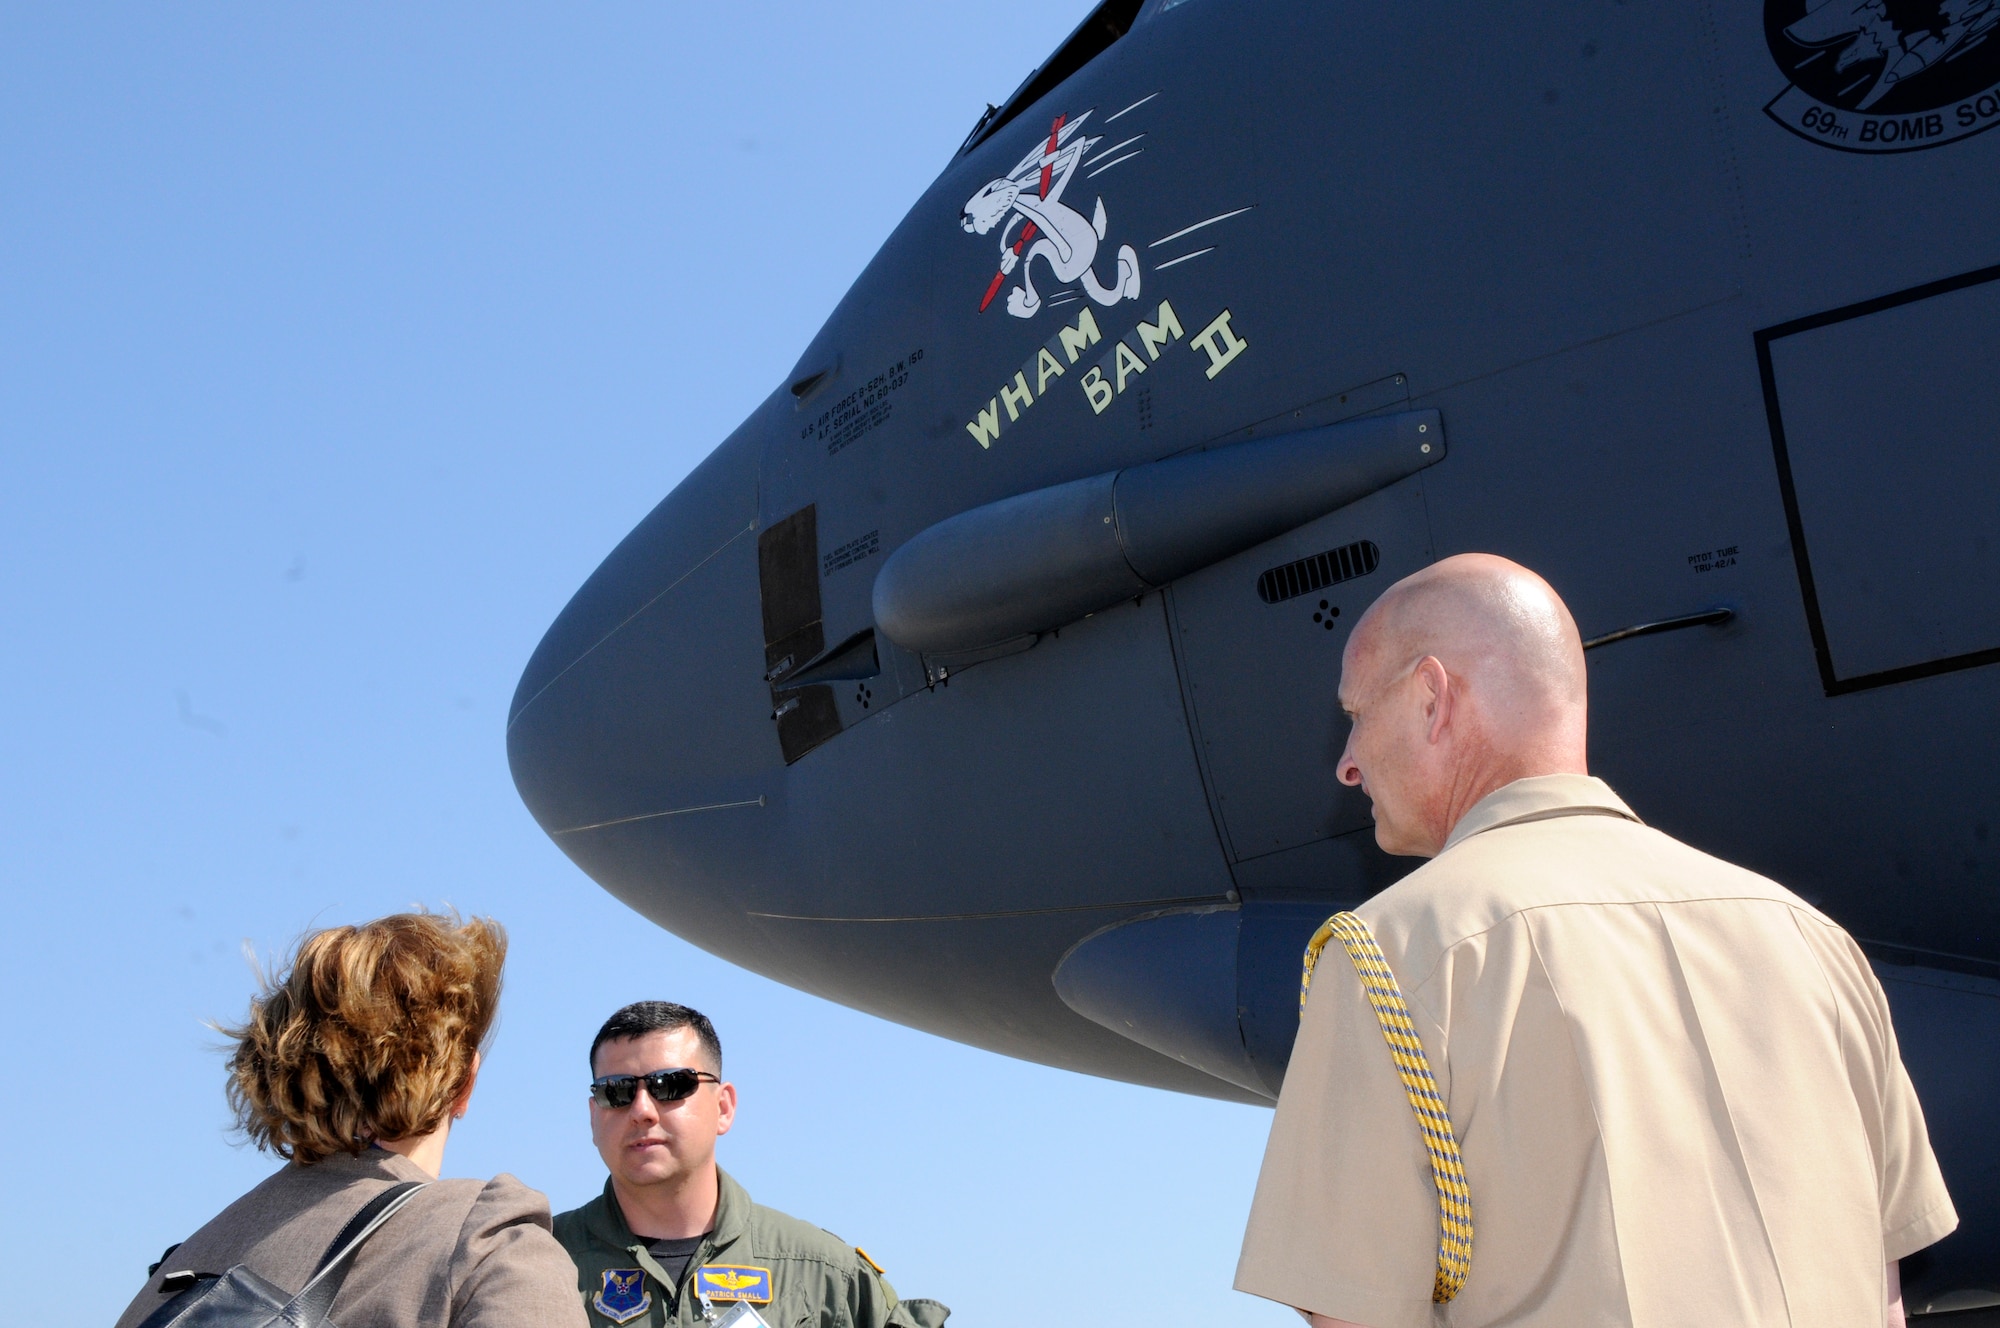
673,1239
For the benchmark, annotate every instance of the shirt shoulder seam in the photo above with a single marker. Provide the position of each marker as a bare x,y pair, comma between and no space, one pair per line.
1444,951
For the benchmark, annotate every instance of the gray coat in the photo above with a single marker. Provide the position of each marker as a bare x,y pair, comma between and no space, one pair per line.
463,1253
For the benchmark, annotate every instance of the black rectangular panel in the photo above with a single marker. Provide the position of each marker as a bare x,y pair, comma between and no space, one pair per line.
788,586
1886,427
788,576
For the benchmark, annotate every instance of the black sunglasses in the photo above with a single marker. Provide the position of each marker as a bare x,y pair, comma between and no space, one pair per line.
619,1090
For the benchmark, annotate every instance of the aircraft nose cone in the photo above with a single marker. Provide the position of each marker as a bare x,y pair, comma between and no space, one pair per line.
644,707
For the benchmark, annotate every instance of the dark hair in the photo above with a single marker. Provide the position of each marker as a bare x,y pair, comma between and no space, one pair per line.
365,1033
643,1017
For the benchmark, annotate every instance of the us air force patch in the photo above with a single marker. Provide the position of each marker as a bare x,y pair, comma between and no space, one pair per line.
721,1281
624,1296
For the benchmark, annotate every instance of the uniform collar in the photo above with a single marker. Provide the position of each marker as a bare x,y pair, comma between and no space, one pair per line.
606,1221
732,1214
1536,799
732,1210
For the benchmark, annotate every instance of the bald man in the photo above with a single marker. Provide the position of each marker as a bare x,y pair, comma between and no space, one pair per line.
1674,1084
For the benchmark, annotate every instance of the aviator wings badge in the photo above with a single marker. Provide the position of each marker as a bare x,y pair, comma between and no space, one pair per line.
726,1282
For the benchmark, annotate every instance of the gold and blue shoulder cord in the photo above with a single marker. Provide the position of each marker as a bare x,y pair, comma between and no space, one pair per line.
1454,1259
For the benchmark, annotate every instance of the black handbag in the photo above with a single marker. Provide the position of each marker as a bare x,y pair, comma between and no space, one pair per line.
240,1298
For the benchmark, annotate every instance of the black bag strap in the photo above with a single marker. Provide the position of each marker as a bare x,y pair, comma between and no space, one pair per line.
315,1300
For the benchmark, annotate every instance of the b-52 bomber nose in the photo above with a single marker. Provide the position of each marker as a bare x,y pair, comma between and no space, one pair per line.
879,794
640,726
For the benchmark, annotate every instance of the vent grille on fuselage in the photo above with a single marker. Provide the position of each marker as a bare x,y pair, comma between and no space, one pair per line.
1318,572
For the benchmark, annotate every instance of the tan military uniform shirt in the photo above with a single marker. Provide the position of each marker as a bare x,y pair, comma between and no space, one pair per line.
460,1254
1674,1083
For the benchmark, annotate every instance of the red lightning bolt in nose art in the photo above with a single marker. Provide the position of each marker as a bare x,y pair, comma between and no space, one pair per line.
1028,231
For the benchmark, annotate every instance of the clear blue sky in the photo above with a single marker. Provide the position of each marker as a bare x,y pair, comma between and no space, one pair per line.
337,345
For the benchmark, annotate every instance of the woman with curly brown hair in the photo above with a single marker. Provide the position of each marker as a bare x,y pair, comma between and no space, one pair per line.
354,1061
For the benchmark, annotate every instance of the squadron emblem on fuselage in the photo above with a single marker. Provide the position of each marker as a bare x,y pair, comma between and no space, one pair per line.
1880,76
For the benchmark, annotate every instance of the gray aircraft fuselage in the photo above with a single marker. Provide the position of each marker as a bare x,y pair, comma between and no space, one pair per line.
983,678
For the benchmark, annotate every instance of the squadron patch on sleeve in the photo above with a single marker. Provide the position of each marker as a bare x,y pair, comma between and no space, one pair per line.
624,1296
722,1281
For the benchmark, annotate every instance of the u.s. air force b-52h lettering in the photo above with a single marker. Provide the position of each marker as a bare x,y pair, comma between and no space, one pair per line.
983,678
